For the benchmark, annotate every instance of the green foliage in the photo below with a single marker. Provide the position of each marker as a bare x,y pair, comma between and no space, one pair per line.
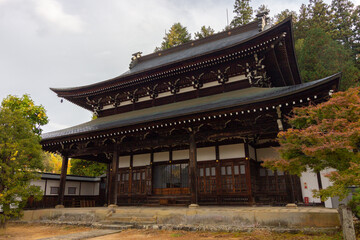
36,115
52,163
261,9
87,168
204,32
325,136
355,203
243,12
320,56
285,14
175,37
20,157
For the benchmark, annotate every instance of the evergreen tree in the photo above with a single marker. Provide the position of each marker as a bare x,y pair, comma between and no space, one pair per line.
175,37
262,8
243,12
285,14
342,21
320,56
355,44
204,32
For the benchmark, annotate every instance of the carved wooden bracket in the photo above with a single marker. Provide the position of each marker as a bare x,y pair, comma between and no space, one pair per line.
95,104
152,92
132,96
196,81
222,76
256,73
174,86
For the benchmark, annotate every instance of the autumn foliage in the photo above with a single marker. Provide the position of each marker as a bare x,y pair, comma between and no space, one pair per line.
324,136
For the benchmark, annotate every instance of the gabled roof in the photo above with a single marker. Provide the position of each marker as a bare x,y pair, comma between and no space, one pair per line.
177,55
55,176
211,103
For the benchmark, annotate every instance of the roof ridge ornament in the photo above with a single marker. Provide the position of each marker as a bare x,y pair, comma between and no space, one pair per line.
263,20
134,59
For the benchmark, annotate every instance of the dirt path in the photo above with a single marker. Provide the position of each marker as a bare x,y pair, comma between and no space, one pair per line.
136,234
32,231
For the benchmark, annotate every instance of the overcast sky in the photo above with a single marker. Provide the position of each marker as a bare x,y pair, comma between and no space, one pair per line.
68,43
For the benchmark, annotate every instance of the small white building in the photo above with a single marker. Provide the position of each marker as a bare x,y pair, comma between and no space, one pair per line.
79,191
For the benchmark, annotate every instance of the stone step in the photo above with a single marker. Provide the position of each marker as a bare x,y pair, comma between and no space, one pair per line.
106,225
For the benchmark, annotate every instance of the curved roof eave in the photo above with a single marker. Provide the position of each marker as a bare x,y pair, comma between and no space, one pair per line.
178,49
199,105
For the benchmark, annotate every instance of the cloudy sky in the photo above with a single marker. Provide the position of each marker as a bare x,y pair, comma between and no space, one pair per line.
67,43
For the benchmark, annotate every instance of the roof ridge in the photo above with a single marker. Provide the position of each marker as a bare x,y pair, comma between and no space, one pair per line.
213,37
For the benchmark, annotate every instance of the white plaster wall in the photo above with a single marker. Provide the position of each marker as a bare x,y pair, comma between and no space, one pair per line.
96,188
124,161
181,154
72,184
87,188
326,183
263,153
309,177
232,151
161,156
205,154
40,183
51,183
252,154
141,160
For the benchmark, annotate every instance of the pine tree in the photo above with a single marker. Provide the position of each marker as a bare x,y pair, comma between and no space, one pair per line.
175,37
243,12
342,21
285,14
204,32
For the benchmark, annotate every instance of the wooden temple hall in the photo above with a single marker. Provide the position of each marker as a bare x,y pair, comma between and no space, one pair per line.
192,124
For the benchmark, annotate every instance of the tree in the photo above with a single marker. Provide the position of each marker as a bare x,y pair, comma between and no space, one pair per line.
87,168
20,158
36,115
324,136
204,32
175,37
342,20
262,8
316,14
285,14
52,163
243,12
320,56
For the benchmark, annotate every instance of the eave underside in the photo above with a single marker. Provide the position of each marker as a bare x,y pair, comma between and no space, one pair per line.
240,115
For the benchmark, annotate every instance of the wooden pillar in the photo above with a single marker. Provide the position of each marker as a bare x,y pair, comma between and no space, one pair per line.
130,178
193,169
114,176
218,175
248,173
108,184
64,166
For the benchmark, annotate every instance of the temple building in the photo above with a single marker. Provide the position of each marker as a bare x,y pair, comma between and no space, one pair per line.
193,123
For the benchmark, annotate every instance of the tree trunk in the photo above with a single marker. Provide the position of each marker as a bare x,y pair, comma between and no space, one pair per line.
2,221
346,220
